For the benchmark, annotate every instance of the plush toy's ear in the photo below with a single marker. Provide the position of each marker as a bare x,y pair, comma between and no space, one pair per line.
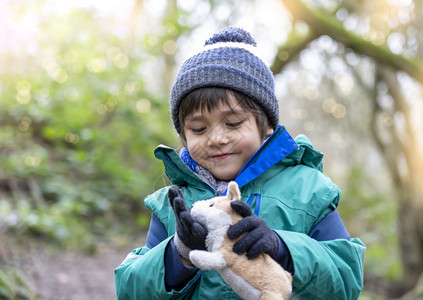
233,191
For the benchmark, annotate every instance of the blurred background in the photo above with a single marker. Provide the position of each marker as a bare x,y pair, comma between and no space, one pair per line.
84,88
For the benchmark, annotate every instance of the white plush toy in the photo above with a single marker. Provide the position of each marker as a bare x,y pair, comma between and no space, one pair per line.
259,278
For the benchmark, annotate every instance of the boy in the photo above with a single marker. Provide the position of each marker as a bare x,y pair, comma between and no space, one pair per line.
224,108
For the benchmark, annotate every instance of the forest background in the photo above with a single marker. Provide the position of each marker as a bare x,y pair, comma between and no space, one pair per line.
84,91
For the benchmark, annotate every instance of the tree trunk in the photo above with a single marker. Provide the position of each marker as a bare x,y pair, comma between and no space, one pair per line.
410,196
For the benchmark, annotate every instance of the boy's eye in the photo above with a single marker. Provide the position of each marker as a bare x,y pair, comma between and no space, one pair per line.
234,124
198,130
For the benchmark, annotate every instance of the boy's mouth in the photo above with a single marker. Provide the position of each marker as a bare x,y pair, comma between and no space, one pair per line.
221,155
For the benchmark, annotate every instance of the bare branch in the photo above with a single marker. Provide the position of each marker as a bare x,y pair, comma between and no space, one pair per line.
321,22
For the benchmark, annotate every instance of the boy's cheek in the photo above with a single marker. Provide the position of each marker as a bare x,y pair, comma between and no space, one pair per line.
196,150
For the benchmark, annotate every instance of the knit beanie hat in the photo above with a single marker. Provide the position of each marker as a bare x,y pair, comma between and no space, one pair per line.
228,60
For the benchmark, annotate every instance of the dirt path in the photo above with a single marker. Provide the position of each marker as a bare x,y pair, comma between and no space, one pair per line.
49,273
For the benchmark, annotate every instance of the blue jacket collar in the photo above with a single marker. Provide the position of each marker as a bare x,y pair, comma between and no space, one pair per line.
279,145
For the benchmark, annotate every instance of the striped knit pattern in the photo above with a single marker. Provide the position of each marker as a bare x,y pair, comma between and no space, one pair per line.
227,64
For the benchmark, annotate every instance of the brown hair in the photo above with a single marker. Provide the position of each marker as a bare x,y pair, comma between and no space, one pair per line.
209,98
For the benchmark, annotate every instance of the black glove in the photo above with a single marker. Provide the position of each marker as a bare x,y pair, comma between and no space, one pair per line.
259,237
190,234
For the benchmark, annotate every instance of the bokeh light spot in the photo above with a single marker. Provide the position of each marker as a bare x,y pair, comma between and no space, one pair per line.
61,76
339,111
23,92
283,55
329,105
130,88
311,93
96,65
23,96
143,105
121,60
299,113
71,56
170,47
72,138
32,161
25,123
345,82
23,85
113,52
110,106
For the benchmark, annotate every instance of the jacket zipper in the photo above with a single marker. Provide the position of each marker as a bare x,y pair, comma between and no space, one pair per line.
258,202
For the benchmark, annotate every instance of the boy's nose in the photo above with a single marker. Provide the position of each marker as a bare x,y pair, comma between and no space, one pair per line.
218,136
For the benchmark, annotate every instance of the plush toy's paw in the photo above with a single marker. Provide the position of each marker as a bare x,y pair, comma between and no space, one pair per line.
205,260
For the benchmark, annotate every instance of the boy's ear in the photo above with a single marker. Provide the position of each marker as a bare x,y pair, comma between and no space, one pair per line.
269,131
233,191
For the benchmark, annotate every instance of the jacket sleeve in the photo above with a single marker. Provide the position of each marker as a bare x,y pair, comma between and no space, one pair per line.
329,228
142,275
331,269
177,275
154,271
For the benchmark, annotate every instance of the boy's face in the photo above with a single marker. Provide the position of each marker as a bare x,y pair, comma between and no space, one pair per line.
224,139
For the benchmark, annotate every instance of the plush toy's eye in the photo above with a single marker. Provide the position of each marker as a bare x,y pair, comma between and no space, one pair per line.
211,204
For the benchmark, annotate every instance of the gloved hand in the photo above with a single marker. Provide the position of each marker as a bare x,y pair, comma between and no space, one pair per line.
189,234
259,237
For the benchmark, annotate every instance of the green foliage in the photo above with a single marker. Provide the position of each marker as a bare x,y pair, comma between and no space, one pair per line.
13,286
78,128
372,216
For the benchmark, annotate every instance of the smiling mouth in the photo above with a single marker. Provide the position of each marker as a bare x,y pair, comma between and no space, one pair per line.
221,155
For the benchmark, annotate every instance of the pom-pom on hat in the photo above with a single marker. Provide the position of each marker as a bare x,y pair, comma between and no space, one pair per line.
228,60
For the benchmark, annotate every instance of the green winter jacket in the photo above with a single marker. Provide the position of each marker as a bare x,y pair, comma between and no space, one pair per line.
291,194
